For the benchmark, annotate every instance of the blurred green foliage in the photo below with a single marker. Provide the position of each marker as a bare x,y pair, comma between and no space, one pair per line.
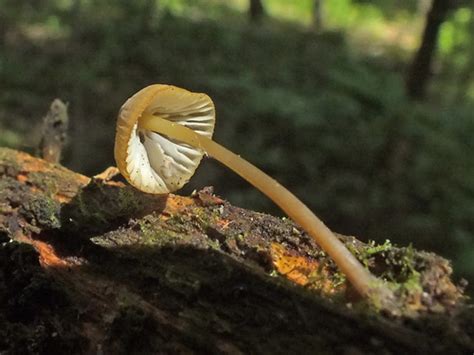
323,114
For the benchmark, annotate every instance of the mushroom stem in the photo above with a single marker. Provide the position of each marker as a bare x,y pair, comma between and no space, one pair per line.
362,280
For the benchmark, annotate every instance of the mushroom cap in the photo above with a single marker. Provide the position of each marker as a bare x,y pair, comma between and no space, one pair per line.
152,162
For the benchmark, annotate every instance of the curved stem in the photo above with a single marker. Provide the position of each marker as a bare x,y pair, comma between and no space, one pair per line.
360,277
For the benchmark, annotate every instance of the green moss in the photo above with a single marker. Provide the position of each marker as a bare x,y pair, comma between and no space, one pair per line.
408,261
146,229
372,248
412,284
8,159
154,234
45,182
409,278
90,210
128,200
338,279
97,207
42,211
367,253
400,262
242,236
399,272
6,186
177,222
206,217
214,244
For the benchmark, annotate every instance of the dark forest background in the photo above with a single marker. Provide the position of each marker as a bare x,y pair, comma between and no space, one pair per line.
364,109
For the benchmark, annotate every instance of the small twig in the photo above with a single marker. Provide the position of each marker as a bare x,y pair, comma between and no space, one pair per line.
54,132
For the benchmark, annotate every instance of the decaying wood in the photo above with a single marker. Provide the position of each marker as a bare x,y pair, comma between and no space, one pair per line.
93,266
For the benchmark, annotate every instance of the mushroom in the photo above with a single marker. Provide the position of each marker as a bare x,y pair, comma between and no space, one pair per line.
162,134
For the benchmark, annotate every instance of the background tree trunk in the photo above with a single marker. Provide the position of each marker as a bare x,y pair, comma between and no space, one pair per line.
421,66
256,11
318,15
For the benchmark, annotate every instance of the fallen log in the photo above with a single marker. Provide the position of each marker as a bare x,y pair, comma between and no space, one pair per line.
94,266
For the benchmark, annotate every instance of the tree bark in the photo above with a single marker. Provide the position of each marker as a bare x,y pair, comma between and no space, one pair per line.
420,69
89,266
256,11
318,15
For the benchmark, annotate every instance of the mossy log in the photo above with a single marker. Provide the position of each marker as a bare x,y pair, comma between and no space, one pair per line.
94,266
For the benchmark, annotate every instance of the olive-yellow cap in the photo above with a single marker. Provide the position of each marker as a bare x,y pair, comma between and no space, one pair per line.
152,162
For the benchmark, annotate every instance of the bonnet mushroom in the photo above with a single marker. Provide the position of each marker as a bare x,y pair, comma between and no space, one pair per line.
162,134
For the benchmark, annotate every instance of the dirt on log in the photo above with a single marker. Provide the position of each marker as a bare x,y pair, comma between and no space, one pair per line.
95,267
